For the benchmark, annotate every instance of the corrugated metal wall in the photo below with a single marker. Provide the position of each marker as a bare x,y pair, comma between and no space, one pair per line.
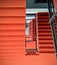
12,31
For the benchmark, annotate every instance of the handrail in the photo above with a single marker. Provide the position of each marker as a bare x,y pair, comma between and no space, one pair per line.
36,23
52,18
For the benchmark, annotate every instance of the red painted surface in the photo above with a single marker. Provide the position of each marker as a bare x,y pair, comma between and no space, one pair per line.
46,54
12,37
31,40
55,4
12,31
30,45
34,29
46,44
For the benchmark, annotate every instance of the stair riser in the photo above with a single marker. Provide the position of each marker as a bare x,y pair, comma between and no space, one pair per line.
12,20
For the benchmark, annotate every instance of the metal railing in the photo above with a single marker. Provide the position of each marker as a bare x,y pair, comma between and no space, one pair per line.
52,15
36,35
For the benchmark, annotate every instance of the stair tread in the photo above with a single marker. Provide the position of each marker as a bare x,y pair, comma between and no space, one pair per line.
43,17
30,45
12,12
45,41
45,26
45,49
45,34
12,32
52,45
12,38
41,37
47,23
46,20
12,20
3,43
43,14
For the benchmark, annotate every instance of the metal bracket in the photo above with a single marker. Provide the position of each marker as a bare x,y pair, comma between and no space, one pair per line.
53,17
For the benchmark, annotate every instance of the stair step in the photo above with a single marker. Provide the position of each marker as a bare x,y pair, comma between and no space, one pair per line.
45,30
12,12
45,26
12,27
46,20
7,47
47,51
10,38
12,32
46,45
45,34
43,14
45,38
29,39
9,43
10,51
45,41
12,55
11,4
12,20
46,17
47,23
31,45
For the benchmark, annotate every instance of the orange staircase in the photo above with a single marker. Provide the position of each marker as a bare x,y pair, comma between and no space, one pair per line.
12,31
12,36
31,44
46,55
46,44
33,28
